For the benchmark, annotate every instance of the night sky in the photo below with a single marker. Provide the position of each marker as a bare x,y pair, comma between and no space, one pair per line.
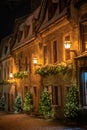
9,11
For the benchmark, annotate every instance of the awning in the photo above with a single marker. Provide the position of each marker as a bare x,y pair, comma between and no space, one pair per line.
83,56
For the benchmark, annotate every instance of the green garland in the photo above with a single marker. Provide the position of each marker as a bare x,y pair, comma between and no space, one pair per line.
51,70
3,82
20,74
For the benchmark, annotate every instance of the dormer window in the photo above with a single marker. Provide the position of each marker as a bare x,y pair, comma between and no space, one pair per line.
26,30
51,9
62,5
6,50
19,35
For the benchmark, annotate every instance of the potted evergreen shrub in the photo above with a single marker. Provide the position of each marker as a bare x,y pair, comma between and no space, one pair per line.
28,103
45,108
72,106
2,103
18,104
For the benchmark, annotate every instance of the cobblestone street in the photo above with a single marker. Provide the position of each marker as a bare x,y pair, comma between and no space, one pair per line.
26,122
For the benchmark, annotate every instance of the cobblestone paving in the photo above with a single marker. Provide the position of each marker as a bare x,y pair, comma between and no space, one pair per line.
26,122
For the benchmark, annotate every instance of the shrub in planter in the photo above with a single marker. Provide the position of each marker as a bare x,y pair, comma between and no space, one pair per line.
18,104
45,108
72,106
28,102
2,103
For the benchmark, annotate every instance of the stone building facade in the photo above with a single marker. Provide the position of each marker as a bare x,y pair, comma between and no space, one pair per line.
41,36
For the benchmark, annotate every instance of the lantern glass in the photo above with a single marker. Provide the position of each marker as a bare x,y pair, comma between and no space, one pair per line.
11,75
35,61
67,44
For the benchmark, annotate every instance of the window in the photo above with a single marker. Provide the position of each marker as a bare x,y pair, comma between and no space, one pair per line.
62,4
55,51
51,9
11,66
35,91
84,36
19,35
67,51
0,95
56,95
19,63
45,55
49,89
6,50
83,87
25,89
26,30
5,73
26,64
5,96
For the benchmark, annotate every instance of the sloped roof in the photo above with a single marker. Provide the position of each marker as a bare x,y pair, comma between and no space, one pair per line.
40,24
5,46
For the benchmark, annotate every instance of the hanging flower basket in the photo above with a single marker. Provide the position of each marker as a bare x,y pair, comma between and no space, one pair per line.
51,70
20,74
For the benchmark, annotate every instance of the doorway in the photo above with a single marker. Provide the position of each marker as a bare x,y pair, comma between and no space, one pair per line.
83,88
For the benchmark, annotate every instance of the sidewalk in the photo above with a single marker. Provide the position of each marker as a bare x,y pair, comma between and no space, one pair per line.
26,122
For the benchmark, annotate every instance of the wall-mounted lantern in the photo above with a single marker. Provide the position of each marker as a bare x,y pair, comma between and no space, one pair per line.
11,75
67,45
35,61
